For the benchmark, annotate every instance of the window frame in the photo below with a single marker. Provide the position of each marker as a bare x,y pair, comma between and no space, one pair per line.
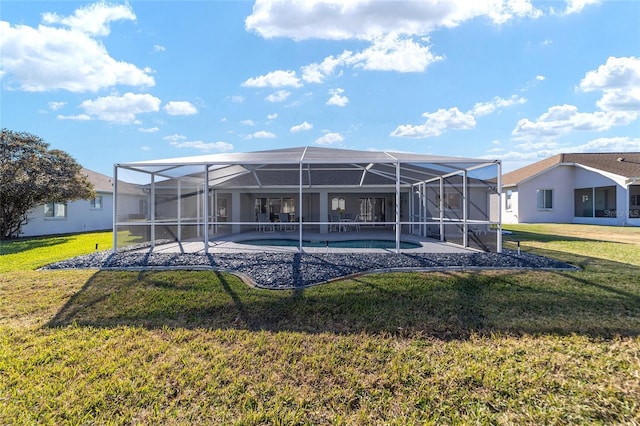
544,206
54,208
508,200
93,205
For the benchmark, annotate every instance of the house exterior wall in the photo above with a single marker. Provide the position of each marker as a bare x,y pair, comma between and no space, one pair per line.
563,180
80,217
560,181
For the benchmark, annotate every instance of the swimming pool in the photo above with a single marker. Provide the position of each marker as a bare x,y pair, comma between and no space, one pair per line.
356,244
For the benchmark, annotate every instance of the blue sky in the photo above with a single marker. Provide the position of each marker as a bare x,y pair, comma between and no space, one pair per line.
512,80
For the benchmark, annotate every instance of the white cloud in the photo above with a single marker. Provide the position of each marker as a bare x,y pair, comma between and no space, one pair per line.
279,96
248,123
121,109
329,138
301,127
484,108
337,99
175,138
540,78
272,116
367,19
562,119
437,123
54,106
204,146
148,130
79,117
394,53
262,134
237,99
49,58
93,19
316,73
619,80
274,79
159,48
180,108
576,6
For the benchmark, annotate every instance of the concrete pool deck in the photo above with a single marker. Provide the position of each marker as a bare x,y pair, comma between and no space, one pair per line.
230,244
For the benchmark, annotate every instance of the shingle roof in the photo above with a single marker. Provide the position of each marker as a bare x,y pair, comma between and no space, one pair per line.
101,183
626,164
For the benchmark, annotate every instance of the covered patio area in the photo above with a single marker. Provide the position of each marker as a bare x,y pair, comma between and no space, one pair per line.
308,194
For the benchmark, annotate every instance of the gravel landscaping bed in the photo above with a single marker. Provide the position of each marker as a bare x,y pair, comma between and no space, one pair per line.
289,270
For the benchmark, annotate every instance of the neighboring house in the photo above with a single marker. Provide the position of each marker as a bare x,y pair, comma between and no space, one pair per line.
590,188
74,216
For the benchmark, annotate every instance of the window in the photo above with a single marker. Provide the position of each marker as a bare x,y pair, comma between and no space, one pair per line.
595,202
452,201
583,202
507,200
55,210
337,203
545,199
605,201
634,201
96,203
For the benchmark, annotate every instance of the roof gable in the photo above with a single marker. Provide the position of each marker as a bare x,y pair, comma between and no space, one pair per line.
100,182
625,164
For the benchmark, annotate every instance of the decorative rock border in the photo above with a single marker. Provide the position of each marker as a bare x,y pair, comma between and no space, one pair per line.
294,270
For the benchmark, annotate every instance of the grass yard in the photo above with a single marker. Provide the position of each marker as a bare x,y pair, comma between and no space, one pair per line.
185,347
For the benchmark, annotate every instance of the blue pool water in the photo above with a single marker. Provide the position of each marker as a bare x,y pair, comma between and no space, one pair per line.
357,244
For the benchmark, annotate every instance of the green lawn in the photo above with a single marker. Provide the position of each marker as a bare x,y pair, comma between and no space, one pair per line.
194,347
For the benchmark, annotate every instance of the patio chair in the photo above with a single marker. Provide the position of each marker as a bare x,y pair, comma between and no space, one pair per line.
265,225
284,222
346,223
334,222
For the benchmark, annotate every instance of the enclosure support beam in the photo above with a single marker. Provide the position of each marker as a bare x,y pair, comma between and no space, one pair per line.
398,230
205,208
152,209
441,207
465,213
115,208
300,210
499,190
179,233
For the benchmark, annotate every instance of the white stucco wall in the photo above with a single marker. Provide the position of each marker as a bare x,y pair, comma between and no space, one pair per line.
563,180
80,218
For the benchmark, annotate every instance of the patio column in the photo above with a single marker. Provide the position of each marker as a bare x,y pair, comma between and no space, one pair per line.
152,209
398,230
324,210
235,212
205,208
115,208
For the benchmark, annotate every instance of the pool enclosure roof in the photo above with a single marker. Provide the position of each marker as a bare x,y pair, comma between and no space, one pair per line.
309,166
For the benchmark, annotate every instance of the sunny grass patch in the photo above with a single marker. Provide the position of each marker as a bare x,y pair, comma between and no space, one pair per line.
613,243
32,253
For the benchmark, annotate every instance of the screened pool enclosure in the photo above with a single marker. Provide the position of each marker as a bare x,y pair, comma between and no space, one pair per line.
308,193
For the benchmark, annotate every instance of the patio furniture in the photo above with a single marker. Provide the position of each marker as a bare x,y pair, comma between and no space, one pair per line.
346,222
285,223
334,222
264,224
